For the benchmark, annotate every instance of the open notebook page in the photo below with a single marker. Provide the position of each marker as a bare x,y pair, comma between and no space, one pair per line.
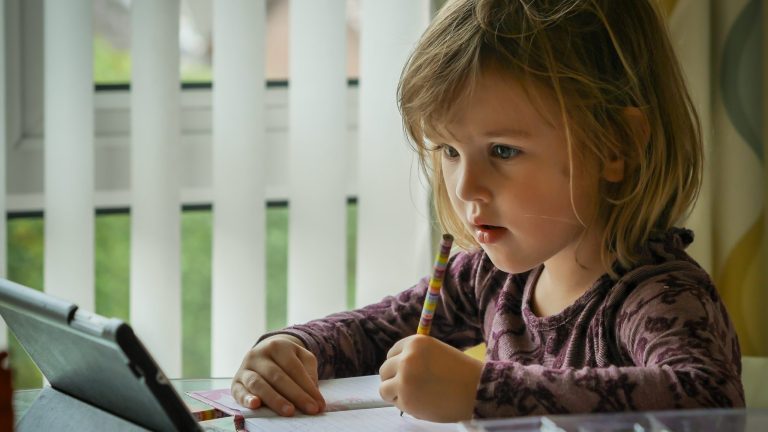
340,394
385,419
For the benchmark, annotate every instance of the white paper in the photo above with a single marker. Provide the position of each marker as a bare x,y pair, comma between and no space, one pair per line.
385,419
340,394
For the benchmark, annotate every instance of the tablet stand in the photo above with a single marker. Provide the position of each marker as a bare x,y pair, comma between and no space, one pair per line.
54,410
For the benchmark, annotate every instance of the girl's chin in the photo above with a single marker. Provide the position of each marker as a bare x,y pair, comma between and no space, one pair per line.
502,262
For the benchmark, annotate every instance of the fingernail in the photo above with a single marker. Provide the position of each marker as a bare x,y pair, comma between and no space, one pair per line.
287,409
310,408
248,401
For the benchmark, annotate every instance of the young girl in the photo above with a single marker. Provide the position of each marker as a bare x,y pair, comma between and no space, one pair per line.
562,148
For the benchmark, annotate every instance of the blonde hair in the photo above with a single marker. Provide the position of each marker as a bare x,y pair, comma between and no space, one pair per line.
598,57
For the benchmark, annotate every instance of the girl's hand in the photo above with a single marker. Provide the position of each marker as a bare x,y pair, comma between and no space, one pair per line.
430,379
280,373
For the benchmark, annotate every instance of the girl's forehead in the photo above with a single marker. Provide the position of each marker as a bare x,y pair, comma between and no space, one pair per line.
498,97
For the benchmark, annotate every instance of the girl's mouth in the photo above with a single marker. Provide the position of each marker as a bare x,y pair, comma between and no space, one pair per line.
487,234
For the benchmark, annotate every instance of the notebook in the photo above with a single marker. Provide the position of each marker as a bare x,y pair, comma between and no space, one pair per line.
101,375
340,394
352,404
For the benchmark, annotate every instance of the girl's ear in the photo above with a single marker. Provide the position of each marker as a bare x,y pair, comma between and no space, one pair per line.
613,171
638,124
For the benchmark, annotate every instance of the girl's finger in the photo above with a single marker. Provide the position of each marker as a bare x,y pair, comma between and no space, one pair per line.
269,392
309,363
388,390
288,377
244,397
397,348
388,369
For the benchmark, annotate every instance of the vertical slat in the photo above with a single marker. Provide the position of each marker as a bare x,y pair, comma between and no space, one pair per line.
317,140
155,307
393,223
239,219
69,211
4,147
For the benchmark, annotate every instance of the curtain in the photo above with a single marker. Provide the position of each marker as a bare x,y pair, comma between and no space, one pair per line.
721,45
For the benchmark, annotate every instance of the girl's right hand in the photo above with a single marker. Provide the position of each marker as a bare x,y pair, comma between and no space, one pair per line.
280,373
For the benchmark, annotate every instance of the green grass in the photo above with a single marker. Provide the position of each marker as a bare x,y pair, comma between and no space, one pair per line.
25,266
110,65
113,66
196,239
113,238
277,267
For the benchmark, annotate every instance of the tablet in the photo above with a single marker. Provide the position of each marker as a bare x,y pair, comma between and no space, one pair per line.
91,361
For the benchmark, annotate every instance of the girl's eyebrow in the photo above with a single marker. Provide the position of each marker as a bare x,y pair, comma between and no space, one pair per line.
507,132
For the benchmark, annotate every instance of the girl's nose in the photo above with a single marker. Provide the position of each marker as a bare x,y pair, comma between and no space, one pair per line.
473,183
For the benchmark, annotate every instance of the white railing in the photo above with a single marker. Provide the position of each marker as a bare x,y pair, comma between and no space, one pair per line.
335,142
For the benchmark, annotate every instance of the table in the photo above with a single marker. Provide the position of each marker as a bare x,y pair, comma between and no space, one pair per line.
693,420
185,385
742,420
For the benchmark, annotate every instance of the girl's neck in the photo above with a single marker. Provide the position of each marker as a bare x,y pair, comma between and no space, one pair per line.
567,276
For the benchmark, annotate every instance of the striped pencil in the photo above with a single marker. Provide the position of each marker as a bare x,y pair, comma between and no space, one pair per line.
435,283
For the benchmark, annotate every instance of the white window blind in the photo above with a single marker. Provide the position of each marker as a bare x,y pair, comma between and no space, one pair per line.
239,161
155,305
318,160
314,144
69,211
393,217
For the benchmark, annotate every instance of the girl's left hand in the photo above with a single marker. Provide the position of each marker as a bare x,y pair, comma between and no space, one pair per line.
430,380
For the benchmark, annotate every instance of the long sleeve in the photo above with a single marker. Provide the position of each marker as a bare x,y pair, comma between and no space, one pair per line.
678,350
356,342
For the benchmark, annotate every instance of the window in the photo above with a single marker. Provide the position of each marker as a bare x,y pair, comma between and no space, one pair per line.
112,34
25,266
24,25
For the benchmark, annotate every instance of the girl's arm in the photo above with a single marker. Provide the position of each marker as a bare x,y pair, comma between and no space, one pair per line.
356,342
674,330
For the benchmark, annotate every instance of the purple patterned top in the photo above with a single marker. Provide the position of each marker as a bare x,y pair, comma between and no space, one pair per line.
658,338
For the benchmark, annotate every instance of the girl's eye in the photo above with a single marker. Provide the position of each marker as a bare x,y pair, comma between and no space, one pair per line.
449,152
504,152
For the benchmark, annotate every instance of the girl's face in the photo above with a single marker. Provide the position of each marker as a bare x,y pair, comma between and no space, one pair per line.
508,174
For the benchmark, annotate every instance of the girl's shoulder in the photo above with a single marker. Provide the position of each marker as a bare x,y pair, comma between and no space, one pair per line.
664,276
